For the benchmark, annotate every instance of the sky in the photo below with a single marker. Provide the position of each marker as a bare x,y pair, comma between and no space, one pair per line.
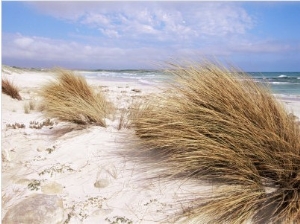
253,36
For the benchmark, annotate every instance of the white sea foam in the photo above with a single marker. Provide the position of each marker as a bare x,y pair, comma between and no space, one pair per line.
282,76
145,82
279,83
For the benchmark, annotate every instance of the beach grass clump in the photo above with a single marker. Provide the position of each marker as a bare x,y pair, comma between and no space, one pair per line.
10,89
219,126
70,98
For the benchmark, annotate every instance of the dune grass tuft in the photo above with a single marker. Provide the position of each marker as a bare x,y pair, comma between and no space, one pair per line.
10,89
70,98
218,125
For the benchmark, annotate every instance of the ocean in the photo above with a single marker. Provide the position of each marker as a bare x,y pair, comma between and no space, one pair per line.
280,83
283,83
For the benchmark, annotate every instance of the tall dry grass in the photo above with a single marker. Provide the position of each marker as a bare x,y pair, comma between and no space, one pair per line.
70,98
10,89
218,125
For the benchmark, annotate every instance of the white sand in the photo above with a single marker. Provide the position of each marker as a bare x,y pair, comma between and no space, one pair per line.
83,167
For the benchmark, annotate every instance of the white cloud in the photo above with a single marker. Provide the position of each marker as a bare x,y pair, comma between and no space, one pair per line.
23,42
163,20
47,51
109,33
140,34
71,11
95,18
265,46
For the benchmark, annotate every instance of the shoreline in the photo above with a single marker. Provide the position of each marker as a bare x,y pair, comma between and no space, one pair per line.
20,78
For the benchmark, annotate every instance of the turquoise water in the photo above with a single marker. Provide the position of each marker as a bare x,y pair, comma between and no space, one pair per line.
284,83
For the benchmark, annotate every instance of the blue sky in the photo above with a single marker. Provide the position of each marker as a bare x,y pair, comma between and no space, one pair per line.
254,36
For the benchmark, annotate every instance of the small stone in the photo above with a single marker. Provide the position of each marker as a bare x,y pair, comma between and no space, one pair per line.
102,183
52,188
36,209
40,149
136,90
102,212
23,181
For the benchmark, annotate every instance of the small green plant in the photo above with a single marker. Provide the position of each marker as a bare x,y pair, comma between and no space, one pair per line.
57,168
118,220
69,217
83,209
50,150
39,125
151,201
15,125
34,185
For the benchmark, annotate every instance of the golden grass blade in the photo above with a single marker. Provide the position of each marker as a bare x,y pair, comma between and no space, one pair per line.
70,98
10,89
219,125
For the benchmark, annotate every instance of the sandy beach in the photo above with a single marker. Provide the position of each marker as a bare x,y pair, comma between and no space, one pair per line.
83,169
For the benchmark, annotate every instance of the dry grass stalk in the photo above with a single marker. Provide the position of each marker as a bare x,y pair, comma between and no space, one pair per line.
10,89
123,119
220,126
32,104
70,98
26,108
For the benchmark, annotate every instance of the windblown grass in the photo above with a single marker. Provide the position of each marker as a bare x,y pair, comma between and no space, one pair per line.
10,89
70,98
218,125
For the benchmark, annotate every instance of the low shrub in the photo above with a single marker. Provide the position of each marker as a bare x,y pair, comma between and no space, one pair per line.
70,98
